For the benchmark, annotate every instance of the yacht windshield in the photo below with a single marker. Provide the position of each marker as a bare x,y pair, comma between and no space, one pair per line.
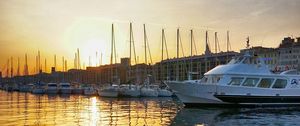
236,60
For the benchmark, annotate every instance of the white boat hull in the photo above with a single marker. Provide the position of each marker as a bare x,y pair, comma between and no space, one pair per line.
164,93
208,94
148,92
190,93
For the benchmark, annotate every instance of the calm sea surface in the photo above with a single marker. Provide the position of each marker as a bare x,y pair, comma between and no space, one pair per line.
28,109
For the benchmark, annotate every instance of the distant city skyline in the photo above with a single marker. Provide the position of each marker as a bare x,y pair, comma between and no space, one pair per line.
60,27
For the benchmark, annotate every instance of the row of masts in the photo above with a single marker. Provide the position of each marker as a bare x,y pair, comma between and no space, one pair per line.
147,52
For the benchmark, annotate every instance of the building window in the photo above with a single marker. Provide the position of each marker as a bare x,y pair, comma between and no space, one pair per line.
265,83
280,83
250,82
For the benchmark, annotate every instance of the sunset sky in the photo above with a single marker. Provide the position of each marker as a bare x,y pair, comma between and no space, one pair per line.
61,26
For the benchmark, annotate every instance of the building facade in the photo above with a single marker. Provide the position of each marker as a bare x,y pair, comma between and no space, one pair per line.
289,54
192,67
269,55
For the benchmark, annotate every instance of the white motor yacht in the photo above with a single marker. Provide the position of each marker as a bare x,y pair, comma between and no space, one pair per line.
243,81
52,88
109,91
65,88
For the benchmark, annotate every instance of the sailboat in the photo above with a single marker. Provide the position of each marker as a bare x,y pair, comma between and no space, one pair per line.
146,90
111,90
131,90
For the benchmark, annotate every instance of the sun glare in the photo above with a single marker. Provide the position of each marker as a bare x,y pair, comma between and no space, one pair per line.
92,38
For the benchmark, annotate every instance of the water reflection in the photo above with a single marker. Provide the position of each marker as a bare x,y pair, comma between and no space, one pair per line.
27,109
237,116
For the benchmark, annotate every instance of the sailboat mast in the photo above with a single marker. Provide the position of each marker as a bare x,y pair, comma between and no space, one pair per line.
18,70
129,70
75,61
11,66
63,64
177,63
7,68
26,66
145,43
191,63
39,61
162,53
216,48
206,50
45,66
78,59
96,61
111,54
66,66
112,44
55,61
227,43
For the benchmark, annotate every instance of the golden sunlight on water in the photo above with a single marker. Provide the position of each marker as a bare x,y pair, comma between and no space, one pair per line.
28,109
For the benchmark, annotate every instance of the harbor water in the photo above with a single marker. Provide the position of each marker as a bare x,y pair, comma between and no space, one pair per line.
18,108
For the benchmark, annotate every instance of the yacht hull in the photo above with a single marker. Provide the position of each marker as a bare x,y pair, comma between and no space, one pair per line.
190,93
193,95
130,93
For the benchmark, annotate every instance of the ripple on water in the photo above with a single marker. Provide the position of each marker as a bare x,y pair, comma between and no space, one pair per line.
29,109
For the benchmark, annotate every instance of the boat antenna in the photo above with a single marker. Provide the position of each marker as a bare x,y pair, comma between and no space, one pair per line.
247,42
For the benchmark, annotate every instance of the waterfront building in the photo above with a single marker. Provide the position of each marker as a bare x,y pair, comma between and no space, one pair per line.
195,66
289,53
269,55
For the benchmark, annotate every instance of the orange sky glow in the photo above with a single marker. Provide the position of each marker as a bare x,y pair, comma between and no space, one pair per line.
60,27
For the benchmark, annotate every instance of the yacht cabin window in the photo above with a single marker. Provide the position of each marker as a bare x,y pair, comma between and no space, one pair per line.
250,82
265,83
236,81
216,79
280,83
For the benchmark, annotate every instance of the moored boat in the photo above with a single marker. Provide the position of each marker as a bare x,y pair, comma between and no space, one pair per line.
52,88
26,88
89,90
130,91
109,91
38,88
244,81
65,88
